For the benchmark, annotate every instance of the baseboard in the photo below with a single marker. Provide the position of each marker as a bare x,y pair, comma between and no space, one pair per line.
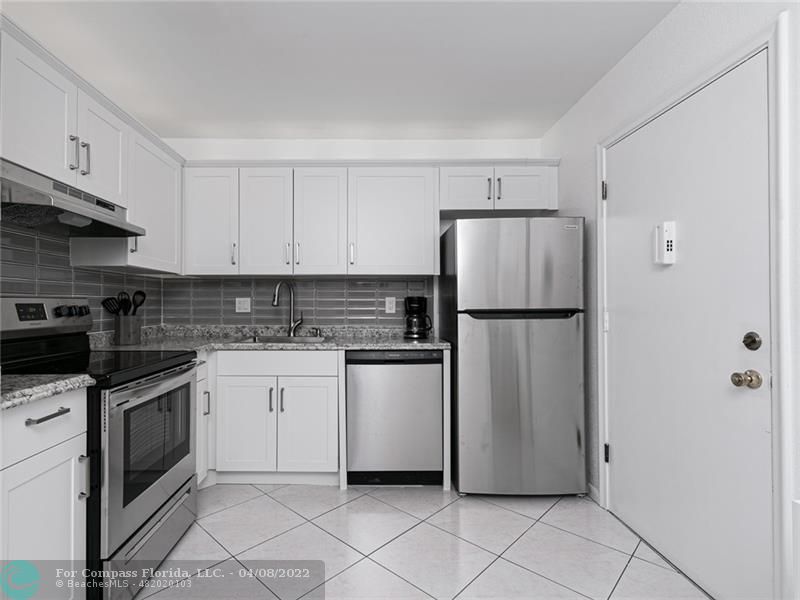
215,477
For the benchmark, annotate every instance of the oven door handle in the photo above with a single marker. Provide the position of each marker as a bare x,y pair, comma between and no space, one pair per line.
144,392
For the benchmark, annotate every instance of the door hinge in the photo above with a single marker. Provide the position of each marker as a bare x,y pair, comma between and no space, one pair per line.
604,190
606,452
605,321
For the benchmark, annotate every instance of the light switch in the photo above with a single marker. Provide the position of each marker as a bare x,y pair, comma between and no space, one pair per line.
243,305
391,305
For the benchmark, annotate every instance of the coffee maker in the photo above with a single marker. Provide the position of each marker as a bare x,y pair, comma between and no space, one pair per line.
418,322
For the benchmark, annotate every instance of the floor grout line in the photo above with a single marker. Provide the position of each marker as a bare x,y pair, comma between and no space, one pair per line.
232,505
627,564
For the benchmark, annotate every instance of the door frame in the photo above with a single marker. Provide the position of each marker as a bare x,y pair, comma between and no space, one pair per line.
784,287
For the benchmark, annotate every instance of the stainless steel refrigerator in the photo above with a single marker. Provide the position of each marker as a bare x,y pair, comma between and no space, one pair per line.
511,303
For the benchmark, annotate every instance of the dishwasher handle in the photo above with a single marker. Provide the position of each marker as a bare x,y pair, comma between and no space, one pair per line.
383,357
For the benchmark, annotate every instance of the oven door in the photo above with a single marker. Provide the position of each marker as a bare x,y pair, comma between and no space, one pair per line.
148,450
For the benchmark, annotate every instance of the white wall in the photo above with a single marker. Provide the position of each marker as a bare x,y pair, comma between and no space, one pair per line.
691,40
353,149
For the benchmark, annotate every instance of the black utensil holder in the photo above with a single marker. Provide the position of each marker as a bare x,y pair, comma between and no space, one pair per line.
127,330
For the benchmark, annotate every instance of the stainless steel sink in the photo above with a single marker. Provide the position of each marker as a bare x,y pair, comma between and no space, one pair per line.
283,339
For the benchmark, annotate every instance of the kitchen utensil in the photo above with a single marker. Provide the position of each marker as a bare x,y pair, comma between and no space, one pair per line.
138,299
111,305
124,300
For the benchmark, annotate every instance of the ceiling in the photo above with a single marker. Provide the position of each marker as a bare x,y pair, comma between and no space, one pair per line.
399,70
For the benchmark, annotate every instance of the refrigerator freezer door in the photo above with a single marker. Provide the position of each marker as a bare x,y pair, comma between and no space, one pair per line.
519,421
507,264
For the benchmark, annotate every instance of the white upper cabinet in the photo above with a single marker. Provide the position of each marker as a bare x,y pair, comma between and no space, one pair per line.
466,188
393,221
103,151
154,202
265,221
38,112
211,221
531,187
320,221
526,187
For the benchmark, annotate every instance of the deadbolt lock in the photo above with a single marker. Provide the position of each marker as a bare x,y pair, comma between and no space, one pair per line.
749,378
751,340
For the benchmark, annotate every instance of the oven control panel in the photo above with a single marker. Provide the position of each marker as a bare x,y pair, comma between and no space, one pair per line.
34,315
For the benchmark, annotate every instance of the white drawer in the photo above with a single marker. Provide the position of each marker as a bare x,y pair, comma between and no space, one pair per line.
19,441
277,362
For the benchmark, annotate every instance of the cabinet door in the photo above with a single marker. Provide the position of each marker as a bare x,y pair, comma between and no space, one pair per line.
247,423
42,516
308,432
526,188
320,221
103,151
211,221
38,110
393,221
203,408
466,188
154,202
265,221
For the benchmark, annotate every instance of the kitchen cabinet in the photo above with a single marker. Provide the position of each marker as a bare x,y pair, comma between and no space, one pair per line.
509,187
104,151
154,202
211,221
308,424
393,221
39,113
247,424
203,414
277,424
43,509
320,221
265,221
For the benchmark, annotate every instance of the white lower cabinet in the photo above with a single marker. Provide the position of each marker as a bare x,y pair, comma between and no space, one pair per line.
308,437
285,424
203,412
247,424
42,510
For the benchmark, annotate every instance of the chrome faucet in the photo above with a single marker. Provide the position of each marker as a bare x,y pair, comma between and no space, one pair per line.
293,325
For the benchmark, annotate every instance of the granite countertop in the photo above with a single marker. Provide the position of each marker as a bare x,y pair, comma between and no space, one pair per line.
336,342
23,389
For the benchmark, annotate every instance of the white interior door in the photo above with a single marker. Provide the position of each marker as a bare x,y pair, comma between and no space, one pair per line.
265,221
690,462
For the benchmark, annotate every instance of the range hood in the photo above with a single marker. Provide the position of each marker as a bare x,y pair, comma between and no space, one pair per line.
38,202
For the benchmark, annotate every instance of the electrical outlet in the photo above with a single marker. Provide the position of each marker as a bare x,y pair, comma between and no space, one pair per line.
243,305
391,305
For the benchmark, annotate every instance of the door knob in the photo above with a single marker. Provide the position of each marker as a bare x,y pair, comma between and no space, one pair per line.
749,378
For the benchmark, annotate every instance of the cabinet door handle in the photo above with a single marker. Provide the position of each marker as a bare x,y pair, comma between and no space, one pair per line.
489,179
76,153
87,476
88,168
282,391
352,253
286,251
499,188
207,411
135,247
271,409
233,253
60,412
297,257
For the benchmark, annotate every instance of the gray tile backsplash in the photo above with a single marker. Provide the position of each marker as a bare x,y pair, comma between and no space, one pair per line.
35,264
323,302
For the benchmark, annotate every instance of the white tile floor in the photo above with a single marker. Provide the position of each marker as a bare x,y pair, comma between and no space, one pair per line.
418,543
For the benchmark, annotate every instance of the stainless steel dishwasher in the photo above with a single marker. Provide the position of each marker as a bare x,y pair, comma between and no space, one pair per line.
394,416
